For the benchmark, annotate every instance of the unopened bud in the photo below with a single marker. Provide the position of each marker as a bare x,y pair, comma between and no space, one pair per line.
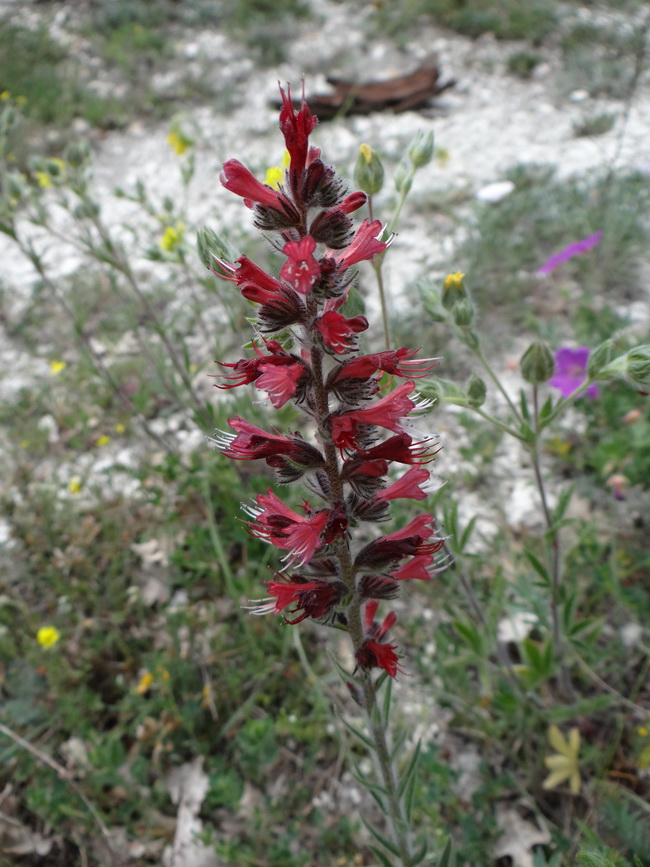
421,149
476,391
368,172
77,153
463,312
453,289
638,366
537,364
600,358
211,246
403,177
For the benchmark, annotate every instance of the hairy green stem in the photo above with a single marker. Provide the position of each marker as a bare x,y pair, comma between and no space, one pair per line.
554,557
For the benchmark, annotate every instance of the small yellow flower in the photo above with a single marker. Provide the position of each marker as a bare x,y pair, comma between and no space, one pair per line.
103,440
119,428
565,763
21,100
47,636
5,95
178,142
145,683
275,175
24,444
193,368
44,180
57,366
366,152
442,155
454,281
171,237
74,485
643,731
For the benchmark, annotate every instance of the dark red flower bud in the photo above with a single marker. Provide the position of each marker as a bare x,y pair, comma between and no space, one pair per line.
332,228
378,587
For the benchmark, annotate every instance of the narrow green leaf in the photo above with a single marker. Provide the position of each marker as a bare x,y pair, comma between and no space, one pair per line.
581,708
363,738
384,860
385,842
448,857
547,409
419,856
538,566
387,697
410,768
467,532
397,746
562,503
523,403
533,654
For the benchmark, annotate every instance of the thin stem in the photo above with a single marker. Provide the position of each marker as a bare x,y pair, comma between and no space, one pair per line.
82,337
554,558
62,774
395,812
495,379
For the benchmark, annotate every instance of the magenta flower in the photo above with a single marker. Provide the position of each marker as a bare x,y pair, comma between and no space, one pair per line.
316,364
569,252
571,371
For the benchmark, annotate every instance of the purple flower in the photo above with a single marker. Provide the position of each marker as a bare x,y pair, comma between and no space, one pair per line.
569,252
571,371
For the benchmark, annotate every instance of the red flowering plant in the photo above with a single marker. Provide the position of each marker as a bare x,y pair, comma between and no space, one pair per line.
306,351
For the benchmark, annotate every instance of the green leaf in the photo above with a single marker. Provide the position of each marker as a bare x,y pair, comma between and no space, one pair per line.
363,738
448,857
562,503
523,403
419,856
411,768
387,697
467,532
470,634
547,409
385,842
539,567
384,860
580,708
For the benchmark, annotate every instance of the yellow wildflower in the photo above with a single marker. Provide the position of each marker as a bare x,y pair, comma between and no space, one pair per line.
643,731
454,281
171,237
178,142
74,485
5,95
119,428
103,440
57,366
47,636
44,180
275,175
564,764
23,444
366,152
21,100
145,683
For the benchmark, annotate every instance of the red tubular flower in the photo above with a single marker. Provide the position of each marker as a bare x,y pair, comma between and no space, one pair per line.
338,332
373,653
300,269
416,568
280,382
411,486
364,245
251,443
239,180
392,361
314,598
296,127
279,525
402,450
413,539
386,412
253,283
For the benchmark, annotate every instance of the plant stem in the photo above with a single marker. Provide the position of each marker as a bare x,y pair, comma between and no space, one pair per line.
397,823
554,558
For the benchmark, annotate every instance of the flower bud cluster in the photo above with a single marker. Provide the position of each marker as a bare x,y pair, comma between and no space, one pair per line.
307,352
